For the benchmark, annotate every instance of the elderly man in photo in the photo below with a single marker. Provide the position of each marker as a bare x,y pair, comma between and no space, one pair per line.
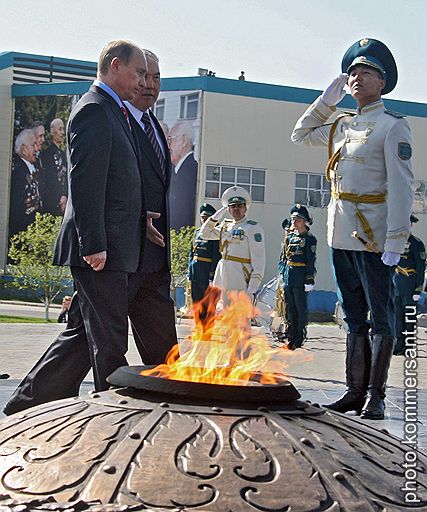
182,194
368,217
25,199
54,173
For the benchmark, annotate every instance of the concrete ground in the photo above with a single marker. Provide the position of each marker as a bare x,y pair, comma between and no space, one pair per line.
317,371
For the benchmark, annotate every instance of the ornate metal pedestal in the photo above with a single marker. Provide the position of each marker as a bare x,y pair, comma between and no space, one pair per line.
195,447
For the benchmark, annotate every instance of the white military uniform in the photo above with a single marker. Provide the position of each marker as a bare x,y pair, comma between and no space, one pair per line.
242,248
375,161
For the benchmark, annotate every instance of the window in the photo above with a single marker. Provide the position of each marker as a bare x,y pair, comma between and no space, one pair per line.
160,109
219,178
189,106
312,189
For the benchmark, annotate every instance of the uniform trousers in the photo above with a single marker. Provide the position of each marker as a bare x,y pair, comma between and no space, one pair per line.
296,313
365,285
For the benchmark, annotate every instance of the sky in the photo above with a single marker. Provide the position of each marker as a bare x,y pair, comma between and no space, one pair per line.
299,43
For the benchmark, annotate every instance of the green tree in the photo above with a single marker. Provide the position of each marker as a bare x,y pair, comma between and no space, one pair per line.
180,247
31,252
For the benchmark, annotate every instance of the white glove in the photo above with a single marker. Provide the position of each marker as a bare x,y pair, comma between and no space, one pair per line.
218,215
416,297
390,258
335,92
308,287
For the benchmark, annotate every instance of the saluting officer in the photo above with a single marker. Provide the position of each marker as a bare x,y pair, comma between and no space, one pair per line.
371,199
241,243
408,284
203,259
298,269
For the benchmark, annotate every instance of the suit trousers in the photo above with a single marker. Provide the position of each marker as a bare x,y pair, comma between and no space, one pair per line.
152,316
62,368
365,285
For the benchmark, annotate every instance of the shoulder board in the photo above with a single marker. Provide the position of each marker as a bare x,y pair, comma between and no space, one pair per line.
394,114
252,222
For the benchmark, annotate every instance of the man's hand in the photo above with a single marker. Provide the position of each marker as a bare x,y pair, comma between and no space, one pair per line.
152,234
416,297
219,214
308,287
390,258
97,260
335,92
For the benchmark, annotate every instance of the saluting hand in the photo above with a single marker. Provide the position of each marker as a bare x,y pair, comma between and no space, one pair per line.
152,234
335,92
97,260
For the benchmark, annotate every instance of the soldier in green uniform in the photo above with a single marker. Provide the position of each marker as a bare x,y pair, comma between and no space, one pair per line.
297,268
203,258
408,284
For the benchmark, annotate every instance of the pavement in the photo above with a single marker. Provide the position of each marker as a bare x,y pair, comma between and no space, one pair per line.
317,371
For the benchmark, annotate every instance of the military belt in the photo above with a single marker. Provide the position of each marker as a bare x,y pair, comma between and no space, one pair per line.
405,271
235,258
295,264
359,198
201,258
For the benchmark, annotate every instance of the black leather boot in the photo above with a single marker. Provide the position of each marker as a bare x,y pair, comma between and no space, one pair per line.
357,366
382,351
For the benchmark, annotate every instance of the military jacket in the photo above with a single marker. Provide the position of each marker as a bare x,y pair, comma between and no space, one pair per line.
374,159
298,260
203,258
409,274
242,247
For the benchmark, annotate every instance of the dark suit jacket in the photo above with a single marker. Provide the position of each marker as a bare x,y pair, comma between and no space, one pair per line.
156,190
106,205
24,197
183,194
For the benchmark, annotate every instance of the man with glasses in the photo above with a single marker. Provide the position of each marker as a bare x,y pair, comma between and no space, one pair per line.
241,243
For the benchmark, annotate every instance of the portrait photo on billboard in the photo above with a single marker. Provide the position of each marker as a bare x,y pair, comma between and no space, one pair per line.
179,115
39,159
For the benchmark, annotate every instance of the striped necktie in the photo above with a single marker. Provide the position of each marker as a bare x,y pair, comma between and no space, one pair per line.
126,114
149,131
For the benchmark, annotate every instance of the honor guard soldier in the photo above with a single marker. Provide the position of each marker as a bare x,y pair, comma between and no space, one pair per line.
278,324
368,217
297,268
203,259
408,284
241,243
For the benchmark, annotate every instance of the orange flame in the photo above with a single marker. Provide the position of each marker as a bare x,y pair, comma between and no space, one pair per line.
223,349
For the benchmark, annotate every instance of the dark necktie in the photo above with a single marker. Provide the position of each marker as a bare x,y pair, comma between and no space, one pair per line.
149,131
126,114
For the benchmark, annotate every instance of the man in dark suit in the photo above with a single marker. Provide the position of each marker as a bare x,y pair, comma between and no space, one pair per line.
25,200
184,176
102,235
153,339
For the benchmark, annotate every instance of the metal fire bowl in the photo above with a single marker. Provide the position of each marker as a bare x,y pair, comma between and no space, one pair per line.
129,376
134,449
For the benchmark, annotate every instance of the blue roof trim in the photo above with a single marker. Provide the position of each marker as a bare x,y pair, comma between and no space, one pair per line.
6,59
220,86
19,90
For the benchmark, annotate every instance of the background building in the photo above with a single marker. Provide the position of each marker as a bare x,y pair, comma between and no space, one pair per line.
241,135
